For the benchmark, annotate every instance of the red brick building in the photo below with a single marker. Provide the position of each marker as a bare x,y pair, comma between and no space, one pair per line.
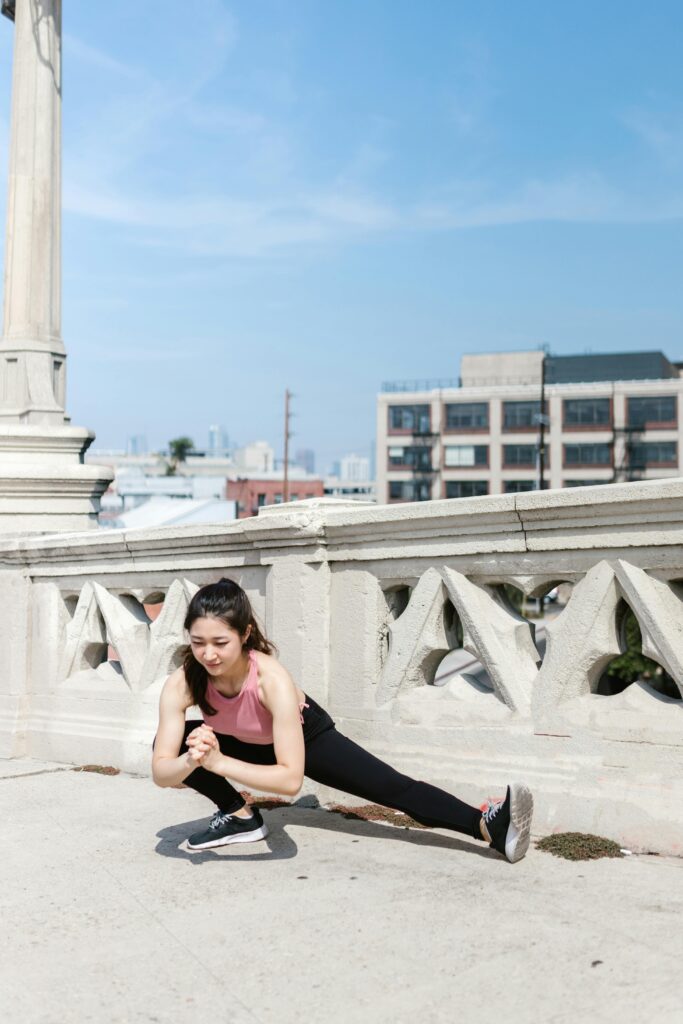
252,493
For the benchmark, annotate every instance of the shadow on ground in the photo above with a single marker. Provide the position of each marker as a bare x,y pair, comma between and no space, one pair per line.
282,847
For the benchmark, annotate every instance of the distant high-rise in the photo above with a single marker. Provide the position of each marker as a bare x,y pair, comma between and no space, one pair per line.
305,457
218,440
354,467
136,445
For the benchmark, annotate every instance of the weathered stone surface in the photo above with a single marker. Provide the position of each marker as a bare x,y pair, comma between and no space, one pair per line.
359,603
581,641
498,636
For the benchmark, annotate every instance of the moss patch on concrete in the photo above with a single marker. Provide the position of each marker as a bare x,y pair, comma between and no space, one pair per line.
579,846
100,769
263,803
375,812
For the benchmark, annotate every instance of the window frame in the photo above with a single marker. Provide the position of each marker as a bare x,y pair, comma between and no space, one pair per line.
519,490
532,428
421,484
652,424
425,450
459,483
524,465
648,464
408,431
467,466
608,425
587,444
460,429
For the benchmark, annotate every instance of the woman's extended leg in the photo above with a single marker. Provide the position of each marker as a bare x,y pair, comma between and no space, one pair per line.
336,761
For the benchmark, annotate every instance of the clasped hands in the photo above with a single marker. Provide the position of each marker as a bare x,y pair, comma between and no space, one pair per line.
203,746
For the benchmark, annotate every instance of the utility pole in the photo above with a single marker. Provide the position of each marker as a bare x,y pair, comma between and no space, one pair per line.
288,434
541,428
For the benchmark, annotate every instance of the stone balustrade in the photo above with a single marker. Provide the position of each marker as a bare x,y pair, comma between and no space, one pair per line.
372,609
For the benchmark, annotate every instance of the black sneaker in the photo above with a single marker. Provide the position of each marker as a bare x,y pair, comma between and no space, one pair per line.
509,822
227,828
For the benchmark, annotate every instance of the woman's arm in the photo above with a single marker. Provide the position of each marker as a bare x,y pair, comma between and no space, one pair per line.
168,767
281,699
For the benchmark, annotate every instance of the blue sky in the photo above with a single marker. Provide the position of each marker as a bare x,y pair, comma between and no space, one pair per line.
322,195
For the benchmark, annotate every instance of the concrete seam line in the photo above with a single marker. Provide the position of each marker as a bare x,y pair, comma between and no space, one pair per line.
42,771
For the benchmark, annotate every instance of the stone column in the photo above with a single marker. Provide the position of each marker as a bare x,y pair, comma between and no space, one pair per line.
32,355
44,485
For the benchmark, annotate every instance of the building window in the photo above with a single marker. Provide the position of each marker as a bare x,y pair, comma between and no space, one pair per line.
409,490
294,497
260,500
584,483
655,411
278,499
519,454
467,416
466,488
411,456
515,486
588,455
522,415
466,455
653,453
409,418
310,495
586,412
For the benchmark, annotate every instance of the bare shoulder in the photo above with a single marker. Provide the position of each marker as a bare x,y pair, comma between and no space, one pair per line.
273,677
274,683
175,691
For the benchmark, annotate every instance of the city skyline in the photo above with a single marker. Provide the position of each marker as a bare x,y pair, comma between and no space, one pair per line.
242,215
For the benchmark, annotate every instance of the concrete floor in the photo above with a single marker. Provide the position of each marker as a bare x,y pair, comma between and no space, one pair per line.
109,919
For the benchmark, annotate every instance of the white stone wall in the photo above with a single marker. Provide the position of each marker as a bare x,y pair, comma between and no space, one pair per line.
365,604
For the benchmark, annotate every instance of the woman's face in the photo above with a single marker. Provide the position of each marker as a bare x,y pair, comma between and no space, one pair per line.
215,645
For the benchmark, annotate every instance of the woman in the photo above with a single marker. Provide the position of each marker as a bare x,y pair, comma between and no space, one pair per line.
260,730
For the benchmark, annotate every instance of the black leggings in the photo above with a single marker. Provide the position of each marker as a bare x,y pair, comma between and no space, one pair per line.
336,761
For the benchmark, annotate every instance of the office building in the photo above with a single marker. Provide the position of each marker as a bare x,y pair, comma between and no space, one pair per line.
524,420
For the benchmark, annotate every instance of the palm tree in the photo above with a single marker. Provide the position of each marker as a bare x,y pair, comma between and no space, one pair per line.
178,449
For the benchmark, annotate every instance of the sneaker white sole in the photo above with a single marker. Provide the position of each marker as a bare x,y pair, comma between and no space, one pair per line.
239,837
519,830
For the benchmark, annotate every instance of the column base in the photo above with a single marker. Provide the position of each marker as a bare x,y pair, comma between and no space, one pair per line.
44,485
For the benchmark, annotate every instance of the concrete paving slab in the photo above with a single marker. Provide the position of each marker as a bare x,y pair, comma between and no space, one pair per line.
112,920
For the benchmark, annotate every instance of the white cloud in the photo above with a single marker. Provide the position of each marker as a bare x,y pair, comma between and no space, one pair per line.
219,225
661,133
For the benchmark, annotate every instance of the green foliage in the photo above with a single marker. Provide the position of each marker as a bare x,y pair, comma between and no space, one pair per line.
632,664
179,448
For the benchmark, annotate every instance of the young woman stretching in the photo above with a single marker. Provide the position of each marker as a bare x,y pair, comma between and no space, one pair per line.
260,730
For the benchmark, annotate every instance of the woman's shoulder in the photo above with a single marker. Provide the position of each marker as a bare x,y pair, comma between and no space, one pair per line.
176,690
270,671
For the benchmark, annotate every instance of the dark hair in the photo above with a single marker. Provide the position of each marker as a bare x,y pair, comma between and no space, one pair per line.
226,601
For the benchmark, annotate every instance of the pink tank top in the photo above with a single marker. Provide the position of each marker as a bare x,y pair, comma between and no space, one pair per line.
242,716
